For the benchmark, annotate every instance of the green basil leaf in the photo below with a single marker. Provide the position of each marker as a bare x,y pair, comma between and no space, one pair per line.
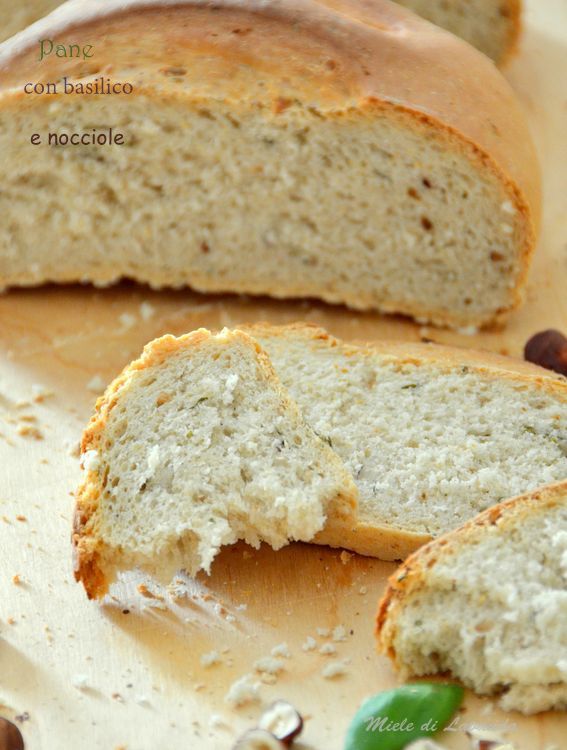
394,718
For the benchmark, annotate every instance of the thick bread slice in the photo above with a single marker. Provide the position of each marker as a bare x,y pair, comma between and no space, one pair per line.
432,435
340,149
488,603
196,445
492,26
15,16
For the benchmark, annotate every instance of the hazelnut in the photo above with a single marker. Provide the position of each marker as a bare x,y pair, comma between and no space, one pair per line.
548,349
259,739
282,720
10,736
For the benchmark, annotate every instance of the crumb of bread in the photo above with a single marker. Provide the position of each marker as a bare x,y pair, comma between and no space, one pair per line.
345,557
327,649
334,669
210,659
147,311
282,649
323,632
26,430
339,633
127,321
21,519
269,665
16,580
80,681
363,590
310,644
244,690
96,384
40,393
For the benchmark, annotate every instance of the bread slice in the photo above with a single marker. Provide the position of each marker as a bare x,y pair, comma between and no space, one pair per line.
488,603
343,150
432,435
196,445
15,16
492,26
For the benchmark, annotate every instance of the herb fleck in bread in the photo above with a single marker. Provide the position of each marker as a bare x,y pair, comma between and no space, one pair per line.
194,446
432,435
346,150
492,26
488,603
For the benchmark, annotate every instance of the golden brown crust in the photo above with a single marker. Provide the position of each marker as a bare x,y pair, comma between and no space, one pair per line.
87,543
343,58
391,543
411,576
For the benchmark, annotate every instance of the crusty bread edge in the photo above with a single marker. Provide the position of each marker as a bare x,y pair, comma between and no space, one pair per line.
86,545
411,576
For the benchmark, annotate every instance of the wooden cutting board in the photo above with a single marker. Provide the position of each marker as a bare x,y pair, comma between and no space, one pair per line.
127,673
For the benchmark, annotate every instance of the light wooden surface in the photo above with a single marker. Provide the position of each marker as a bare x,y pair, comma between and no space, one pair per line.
144,686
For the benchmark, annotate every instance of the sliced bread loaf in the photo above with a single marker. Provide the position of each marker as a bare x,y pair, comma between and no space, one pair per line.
492,26
488,603
15,16
432,435
194,446
344,150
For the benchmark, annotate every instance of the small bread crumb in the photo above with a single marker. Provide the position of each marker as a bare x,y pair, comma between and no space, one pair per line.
210,659
243,691
269,665
96,384
327,649
310,644
334,669
282,649
147,311
339,633
346,557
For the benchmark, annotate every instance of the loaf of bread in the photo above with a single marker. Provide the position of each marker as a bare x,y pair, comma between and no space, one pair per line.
344,150
492,26
432,435
194,446
15,15
488,603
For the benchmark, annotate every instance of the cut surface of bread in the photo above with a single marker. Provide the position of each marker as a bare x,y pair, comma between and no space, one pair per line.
492,26
488,603
345,150
432,435
195,446
15,16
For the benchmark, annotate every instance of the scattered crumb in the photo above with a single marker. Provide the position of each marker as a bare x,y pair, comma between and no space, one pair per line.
339,633
243,691
346,557
11,621
327,649
210,659
80,681
96,384
323,632
16,580
363,590
282,649
127,321
73,449
269,665
40,393
117,697
147,311
21,519
241,607
26,430
334,669
216,721
310,644
230,618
